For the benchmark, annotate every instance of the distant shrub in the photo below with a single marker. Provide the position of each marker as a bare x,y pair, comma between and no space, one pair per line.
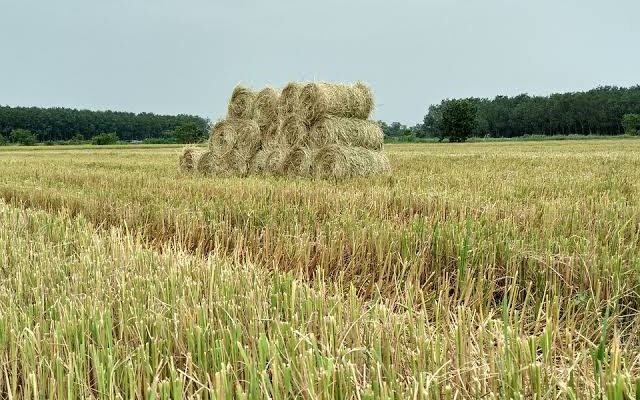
76,139
104,139
23,137
3,140
166,137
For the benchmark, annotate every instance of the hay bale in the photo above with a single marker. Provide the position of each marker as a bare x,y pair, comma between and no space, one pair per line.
335,161
189,158
213,163
293,129
241,103
223,135
346,132
342,100
270,159
265,111
289,101
299,161
229,133
248,137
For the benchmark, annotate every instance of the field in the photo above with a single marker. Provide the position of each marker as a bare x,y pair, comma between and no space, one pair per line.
481,270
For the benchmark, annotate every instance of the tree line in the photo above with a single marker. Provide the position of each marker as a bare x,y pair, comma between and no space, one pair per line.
600,111
65,124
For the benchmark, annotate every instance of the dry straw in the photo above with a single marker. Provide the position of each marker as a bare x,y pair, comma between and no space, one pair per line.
343,100
189,158
293,129
241,103
270,159
335,161
222,136
265,111
289,101
214,163
299,161
346,132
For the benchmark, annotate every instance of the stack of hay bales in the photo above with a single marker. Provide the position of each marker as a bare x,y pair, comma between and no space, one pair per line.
317,129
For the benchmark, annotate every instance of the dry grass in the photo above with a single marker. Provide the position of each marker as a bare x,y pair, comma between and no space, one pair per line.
265,112
293,130
289,100
488,270
270,159
299,161
222,136
345,132
335,161
342,100
246,142
241,103
189,158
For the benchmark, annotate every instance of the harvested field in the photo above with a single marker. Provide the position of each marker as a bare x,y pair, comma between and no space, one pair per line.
481,270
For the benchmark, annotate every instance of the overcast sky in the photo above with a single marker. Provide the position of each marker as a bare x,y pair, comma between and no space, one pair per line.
185,56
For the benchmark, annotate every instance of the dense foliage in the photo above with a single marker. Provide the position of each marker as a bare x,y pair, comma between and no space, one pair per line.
22,136
597,111
631,124
458,120
62,124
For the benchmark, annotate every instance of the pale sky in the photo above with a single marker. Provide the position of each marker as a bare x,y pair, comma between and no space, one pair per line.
186,56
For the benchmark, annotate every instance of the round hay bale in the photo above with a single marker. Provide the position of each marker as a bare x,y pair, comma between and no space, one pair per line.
265,111
213,163
241,103
248,137
228,134
237,162
335,161
270,159
342,100
289,101
293,129
299,161
223,135
346,132
189,158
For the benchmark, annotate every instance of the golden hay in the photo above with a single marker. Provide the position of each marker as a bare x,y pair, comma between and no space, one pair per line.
189,158
222,136
342,100
345,132
229,133
335,161
248,137
299,161
289,101
265,111
213,163
293,129
270,159
241,103
238,162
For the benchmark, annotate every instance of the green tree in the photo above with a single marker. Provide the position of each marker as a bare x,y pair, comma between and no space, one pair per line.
631,124
23,137
105,138
3,140
189,132
458,120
